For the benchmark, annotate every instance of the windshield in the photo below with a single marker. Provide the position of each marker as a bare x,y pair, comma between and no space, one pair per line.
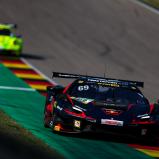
5,32
111,95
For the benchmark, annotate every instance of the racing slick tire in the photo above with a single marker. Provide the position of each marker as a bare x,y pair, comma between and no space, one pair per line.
48,108
150,137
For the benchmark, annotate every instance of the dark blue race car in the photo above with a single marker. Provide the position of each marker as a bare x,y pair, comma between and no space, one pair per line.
97,104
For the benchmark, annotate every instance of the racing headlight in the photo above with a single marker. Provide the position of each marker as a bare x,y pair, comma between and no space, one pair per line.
144,119
75,111
144,116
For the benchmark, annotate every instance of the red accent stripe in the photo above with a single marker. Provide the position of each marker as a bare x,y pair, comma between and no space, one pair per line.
130,106
49,108
66,88
143,122
144,147
26,71
30,82
151,108
12,61
82,114
70,99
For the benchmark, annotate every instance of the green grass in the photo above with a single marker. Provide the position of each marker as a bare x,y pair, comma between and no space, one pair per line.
153,3
11,129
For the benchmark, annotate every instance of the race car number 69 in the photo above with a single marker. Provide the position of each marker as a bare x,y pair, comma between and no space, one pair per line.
83,88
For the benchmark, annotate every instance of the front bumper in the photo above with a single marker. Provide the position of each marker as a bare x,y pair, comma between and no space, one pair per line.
77,124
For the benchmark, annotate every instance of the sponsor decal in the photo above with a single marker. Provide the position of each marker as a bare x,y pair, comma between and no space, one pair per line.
77,123
82,100
112,122
112,111
104,82
80,81
91,120
109,84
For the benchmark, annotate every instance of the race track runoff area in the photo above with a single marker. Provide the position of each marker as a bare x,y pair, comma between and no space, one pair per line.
25,105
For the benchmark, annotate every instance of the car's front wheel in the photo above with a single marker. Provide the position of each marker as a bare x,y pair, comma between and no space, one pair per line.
150,137
47,120
47,116
56,123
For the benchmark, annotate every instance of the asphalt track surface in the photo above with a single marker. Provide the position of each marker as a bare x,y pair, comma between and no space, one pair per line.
89,36
117,37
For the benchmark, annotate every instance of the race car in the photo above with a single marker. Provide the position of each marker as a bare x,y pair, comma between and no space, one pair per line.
9,42
97,104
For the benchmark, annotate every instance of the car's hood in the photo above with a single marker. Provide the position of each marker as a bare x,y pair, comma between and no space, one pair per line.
9,42
6,37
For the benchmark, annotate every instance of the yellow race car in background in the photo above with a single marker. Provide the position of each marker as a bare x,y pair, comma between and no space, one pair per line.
9,42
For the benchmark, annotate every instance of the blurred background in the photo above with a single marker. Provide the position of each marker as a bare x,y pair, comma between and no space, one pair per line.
117,37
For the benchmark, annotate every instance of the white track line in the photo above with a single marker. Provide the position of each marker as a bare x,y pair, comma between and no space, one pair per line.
39,72
17,88
145,6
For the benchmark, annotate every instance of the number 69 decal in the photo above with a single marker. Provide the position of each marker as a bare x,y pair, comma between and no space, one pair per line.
83,88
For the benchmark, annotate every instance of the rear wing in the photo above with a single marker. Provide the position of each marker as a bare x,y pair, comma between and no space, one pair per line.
98,79
69,75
